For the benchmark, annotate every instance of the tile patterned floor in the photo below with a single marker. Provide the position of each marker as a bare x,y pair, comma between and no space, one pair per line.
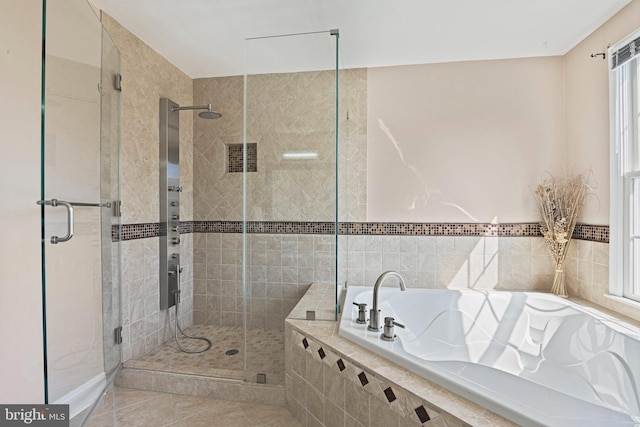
265,354
123,407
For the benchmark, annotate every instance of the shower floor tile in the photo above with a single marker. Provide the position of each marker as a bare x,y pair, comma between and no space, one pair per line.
265,354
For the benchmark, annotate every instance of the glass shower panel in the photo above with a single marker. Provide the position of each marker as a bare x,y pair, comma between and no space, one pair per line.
290,190
80,184
110,194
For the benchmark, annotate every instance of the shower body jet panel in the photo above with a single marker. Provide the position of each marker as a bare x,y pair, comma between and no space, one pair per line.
169,202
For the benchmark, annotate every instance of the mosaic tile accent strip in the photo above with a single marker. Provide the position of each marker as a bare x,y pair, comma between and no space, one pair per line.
235,160
136,231
438,229
217,226
186,227
595,233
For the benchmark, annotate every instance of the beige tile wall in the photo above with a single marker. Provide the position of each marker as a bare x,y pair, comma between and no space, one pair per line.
286,112
146,77
279,271
502,263
587,277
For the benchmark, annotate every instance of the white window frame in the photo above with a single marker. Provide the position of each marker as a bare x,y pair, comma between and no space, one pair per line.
624,273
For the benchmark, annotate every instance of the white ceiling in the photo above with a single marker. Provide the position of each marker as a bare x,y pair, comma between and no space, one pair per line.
206,38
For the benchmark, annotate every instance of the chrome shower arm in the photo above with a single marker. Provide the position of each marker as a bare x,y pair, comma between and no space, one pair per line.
193,107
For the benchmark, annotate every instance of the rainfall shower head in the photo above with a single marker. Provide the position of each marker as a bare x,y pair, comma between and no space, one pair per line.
209,114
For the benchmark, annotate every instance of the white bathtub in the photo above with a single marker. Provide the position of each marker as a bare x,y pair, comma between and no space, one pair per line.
535,359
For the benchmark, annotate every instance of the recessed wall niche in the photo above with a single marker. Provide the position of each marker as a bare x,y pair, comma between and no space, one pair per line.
235,158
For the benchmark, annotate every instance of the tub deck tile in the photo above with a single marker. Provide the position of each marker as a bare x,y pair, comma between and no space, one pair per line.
359,404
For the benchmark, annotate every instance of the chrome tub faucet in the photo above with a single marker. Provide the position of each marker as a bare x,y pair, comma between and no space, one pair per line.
374,313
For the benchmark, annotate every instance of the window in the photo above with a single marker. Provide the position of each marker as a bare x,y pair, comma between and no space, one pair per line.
624,248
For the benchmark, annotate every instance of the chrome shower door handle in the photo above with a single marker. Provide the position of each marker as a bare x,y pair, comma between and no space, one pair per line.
69,207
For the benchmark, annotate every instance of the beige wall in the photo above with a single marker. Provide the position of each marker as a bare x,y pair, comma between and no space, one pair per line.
147,77
21,366
587,112
587,107
463,142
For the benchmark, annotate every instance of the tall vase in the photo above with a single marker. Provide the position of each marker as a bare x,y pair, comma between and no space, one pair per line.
559,288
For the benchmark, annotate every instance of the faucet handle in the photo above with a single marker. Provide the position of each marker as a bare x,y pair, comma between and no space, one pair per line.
388,333
362,312
390,321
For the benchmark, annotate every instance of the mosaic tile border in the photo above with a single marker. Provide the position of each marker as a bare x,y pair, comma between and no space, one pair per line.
135,231
595,233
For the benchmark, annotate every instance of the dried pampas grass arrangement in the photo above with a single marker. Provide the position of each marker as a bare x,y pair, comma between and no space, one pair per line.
560,200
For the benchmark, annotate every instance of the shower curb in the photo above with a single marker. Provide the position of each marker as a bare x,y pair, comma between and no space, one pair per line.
201,386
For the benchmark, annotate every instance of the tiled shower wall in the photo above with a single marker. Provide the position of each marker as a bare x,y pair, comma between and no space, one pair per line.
147,77
280,269
288,112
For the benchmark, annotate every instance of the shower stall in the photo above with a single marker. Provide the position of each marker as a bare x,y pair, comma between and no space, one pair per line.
265,210
79,202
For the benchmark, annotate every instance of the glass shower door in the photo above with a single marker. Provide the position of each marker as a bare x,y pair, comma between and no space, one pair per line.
80,188
290,205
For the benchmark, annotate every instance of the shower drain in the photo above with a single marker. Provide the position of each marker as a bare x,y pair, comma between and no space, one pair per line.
232,352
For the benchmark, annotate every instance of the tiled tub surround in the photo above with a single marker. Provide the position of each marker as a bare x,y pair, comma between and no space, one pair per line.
532,357
330,381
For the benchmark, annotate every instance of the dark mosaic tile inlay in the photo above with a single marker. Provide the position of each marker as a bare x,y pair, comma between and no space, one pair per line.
321,353
595,233
305,343
363,378
389,394
340,364
422,414
235,159
135,231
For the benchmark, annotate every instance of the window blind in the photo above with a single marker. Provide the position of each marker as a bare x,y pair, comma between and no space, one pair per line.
625,53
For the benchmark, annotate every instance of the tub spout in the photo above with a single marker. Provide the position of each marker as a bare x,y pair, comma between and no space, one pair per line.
374,313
